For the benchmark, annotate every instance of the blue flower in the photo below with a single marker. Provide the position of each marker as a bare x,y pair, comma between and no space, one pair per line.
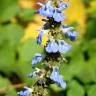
46,10
62,6
61,82
37,59
68,32
66,29
64,47
64,26
56,77
25,92
72,35
48,48
33,74
58,16
39,39
52,47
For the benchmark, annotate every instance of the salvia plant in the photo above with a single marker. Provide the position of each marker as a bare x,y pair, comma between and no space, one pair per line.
54,50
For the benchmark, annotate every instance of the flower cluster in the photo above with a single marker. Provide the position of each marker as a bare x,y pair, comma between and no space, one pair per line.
53,47
57,33
48,10
53,13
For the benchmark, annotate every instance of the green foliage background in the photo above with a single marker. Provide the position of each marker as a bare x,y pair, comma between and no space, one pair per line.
15,56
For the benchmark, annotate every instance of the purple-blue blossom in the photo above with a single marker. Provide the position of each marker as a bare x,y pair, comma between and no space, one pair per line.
41,33
33,74
63,6
52,47
25,92
58,16
71,34
39,39
46,10
64,47
57,78
38,58
64,26
48,48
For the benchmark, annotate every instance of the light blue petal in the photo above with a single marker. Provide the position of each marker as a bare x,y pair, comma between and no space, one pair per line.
31,75
63,6
54,46
37,59
64,47
48,48
39,39
58,16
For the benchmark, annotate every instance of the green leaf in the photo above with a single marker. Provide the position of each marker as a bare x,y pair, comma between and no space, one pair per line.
10,36
28,50
55,87
11,33
24,69
92,91
7,57
4,82
8,9
14,33
74,65
10,12
75,89
92,48
90,33
84,70
6,85
87,73
11,92
27,14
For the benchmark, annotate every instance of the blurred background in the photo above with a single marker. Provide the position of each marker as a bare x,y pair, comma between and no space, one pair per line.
18,25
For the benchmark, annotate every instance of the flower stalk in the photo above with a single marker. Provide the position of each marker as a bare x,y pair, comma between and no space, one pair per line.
54,49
